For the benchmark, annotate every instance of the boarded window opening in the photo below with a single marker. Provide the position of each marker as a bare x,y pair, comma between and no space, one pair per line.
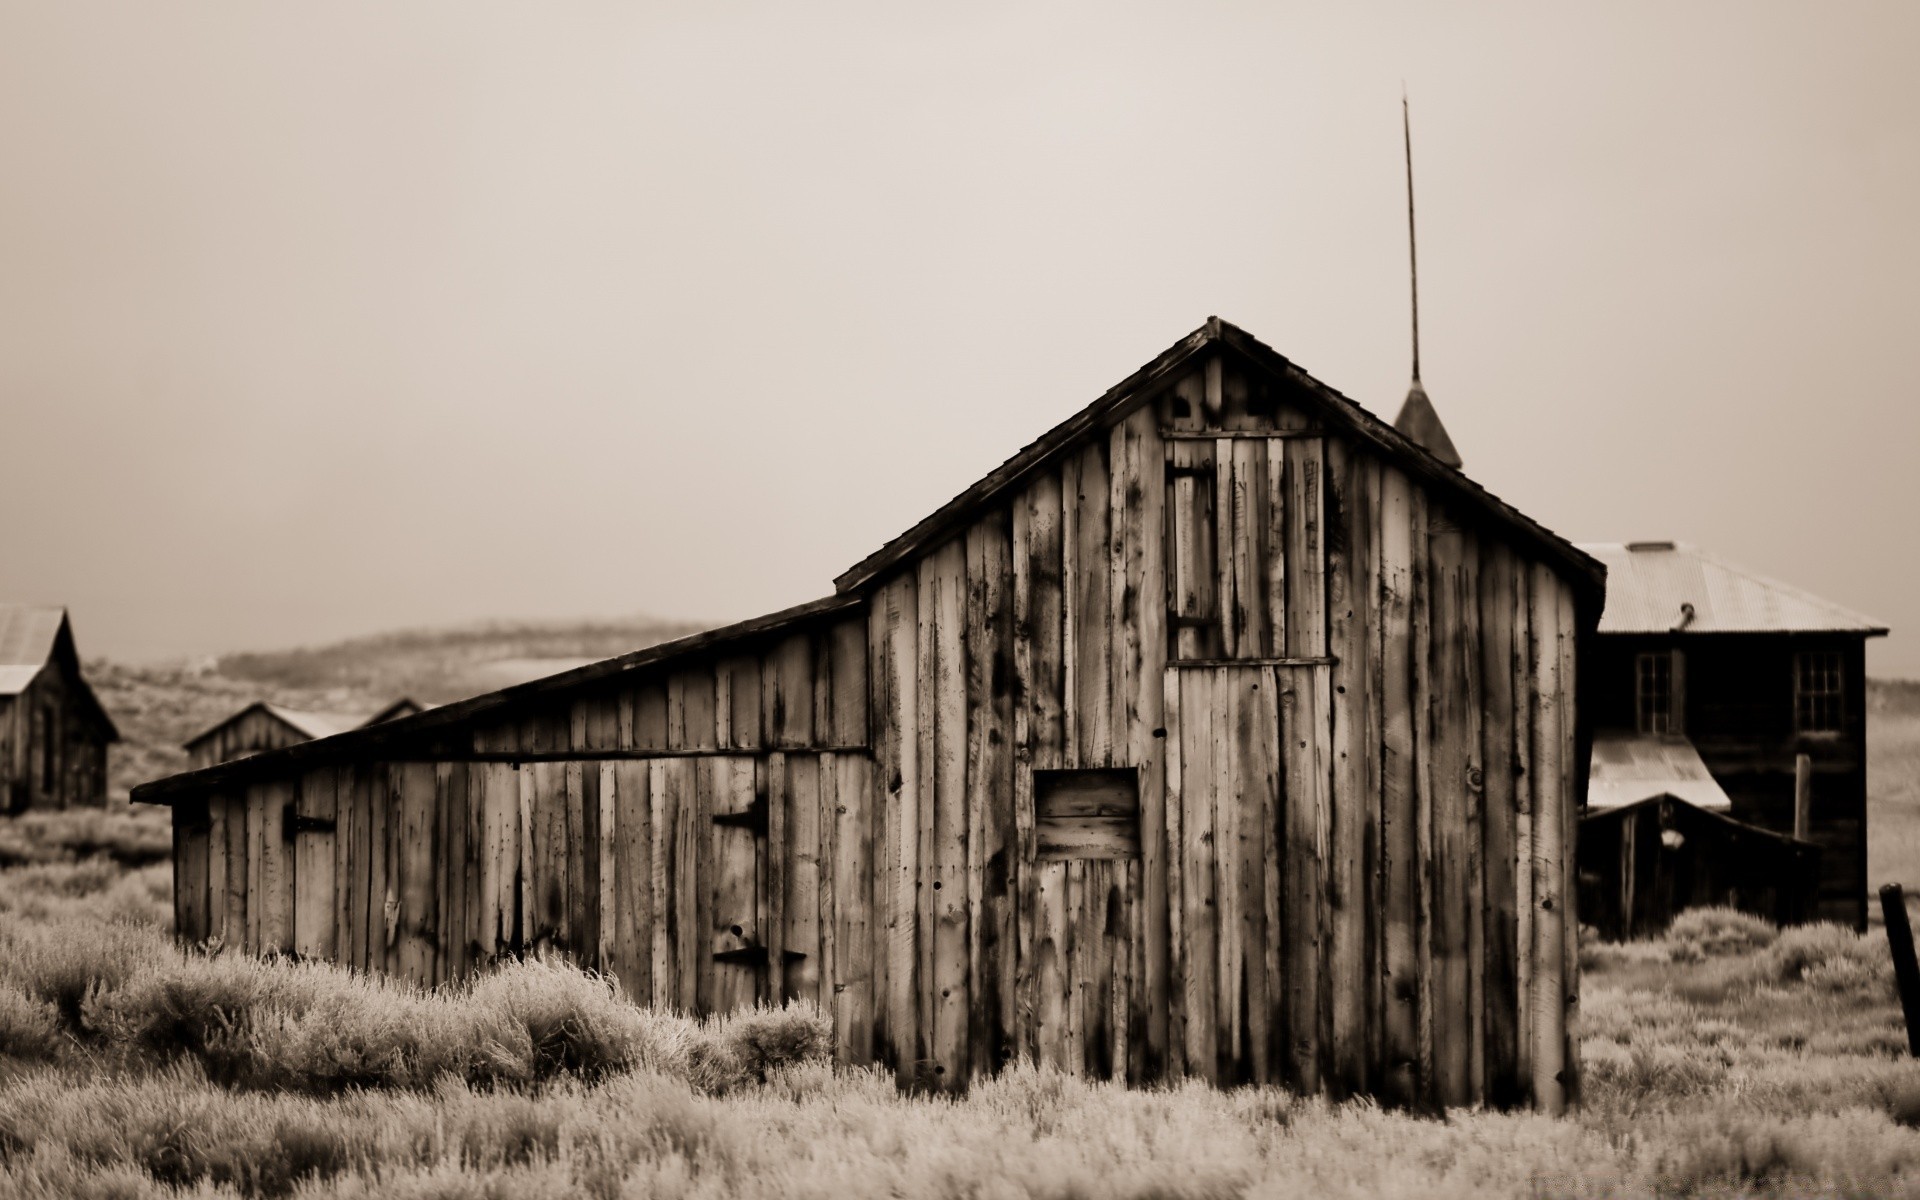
1087,814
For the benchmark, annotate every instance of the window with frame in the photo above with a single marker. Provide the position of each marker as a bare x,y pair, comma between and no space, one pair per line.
1818,692
1653,692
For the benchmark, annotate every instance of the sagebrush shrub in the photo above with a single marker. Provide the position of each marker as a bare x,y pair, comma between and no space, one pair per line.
29,1028
1825,955
1717,930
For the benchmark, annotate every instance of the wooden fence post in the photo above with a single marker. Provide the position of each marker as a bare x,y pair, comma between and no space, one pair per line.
1906,970
1802,795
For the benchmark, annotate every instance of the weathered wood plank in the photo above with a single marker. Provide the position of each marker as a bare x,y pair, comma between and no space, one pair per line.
943,763
731,910
1306,632
1523,900
313,878
854,892
1495,596
277,867
1303,729
809,786
1473,875
218,896
852,722
632,791
992,950
1426,734
1569,825
1139,658
1549,983
1399,874
1449,763
418,922
650,711
1352,483
1255,790
1173,901
1050,973
1198,712
606,847
787,693
897,613
774,860
738,704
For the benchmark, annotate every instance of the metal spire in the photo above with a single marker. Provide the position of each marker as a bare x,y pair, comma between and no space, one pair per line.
1417,419
1413,253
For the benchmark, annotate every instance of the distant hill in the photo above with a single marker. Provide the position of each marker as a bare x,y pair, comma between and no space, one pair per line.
159,706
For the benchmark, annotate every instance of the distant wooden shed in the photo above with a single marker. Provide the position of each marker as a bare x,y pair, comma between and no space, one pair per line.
262,726
1222,732
54,733
1645,862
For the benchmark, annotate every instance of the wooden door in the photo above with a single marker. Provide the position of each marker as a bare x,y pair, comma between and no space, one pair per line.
1084,922
309,825
1246,815
734,886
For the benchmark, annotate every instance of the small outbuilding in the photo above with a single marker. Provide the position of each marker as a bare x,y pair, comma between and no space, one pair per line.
262,726
1644,861
1223,731
53,731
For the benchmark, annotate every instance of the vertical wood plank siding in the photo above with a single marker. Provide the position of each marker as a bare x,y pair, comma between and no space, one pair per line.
1346,708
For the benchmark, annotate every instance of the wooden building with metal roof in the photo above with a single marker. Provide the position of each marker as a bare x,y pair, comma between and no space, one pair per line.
1220,732
53,731
1700,657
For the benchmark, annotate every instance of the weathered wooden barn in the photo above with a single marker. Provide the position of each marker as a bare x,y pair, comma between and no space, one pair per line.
1221,732
263,726
53,732
1745,674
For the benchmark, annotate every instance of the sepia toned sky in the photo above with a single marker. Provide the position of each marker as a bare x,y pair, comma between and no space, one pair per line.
319,320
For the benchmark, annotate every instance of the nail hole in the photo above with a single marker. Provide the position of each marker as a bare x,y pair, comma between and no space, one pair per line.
736,931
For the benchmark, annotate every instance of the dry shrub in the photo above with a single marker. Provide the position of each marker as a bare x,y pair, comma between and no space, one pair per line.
132,837
1715,931
752,1046
1826,956
29,1028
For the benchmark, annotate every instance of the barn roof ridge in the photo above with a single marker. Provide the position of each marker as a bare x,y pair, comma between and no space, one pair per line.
852,585
313,722
400,729
1129,393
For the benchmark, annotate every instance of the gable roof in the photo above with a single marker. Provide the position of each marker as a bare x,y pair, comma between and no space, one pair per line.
31,636
1648,582
312,723
27,636
1587,575
412,730
1138,388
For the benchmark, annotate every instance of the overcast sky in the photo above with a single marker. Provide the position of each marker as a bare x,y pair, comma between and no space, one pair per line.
325,319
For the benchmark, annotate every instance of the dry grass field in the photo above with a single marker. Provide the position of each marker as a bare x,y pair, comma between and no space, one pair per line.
1725,1059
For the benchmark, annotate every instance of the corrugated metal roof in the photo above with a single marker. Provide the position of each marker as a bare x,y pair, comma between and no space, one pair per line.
27,635
1648,583
1627,768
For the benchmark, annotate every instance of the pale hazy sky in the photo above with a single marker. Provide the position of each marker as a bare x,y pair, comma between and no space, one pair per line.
324,319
